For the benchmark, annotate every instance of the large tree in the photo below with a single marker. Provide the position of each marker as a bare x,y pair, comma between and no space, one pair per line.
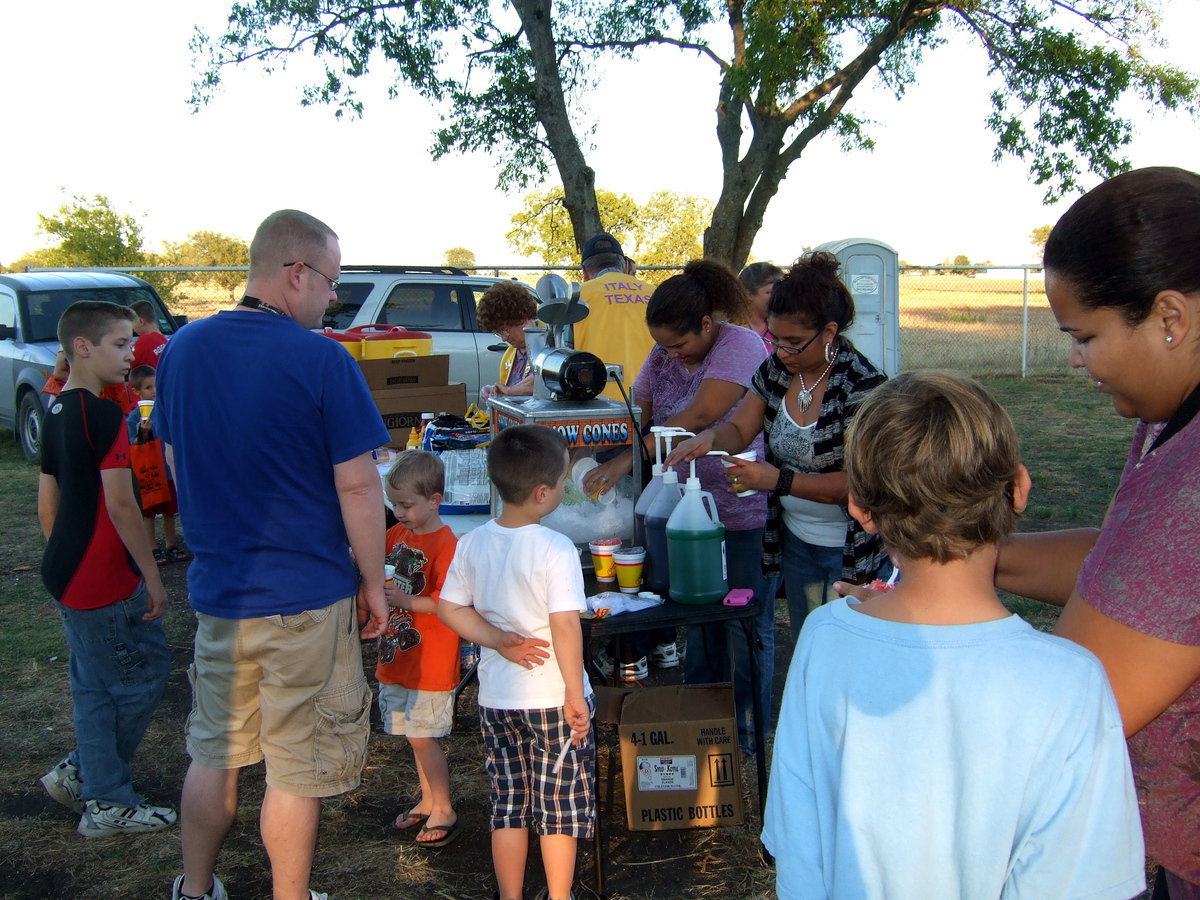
212,249
92,233
510,75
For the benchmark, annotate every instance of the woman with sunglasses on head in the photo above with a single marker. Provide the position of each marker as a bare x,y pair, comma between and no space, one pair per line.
1123,280
505,309
802,398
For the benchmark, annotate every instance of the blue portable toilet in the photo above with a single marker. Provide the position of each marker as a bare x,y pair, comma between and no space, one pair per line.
871,270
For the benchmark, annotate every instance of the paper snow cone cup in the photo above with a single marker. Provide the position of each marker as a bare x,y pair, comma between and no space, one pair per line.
602,558
731,463
629,562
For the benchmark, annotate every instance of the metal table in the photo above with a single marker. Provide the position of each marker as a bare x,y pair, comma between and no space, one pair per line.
671,615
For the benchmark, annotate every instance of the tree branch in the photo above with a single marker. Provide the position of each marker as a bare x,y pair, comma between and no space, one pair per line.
648,41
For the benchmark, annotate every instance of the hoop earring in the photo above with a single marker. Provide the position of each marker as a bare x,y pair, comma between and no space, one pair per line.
829,352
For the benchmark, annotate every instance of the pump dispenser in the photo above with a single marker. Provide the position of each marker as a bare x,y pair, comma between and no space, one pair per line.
696,547
657,573
661,433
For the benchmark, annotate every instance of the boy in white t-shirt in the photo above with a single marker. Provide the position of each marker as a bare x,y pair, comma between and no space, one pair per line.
932,744
515,588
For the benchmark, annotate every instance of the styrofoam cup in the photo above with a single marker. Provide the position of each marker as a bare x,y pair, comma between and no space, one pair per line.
629,563
602,558
731,462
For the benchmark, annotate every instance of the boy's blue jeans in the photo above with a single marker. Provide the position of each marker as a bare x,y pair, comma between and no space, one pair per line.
118,672
707,660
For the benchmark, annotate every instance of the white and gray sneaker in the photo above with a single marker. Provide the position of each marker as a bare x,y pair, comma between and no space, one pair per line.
105,820
216,892
630,672
665,656
64,786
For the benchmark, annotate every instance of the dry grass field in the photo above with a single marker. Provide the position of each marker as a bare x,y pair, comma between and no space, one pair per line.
978,325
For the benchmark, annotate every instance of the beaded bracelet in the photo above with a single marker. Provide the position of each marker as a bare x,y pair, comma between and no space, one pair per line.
783,486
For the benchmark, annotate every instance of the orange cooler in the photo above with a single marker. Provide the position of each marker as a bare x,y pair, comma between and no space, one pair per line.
385,342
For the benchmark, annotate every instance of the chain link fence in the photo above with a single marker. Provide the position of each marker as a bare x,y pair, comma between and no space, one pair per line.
984,320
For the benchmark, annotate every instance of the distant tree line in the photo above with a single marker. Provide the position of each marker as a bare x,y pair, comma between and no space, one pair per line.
90,232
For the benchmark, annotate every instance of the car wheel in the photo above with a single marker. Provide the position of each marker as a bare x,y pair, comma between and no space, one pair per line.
29,426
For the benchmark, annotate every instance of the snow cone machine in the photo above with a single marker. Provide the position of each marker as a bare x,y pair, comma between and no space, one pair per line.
567,384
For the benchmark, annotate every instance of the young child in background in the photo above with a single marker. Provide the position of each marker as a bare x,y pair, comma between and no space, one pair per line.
150,340
141,430
516,588
932,744
96,545
418,655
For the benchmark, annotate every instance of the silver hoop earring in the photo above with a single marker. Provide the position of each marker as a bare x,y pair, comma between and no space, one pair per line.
829,352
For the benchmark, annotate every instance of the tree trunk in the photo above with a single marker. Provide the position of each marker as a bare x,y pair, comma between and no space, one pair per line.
748,183
578,178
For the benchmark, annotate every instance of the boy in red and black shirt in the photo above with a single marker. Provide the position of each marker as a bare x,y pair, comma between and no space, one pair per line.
99,567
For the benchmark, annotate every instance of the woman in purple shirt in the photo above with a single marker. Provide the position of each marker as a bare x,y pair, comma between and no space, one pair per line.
693,378
1123,280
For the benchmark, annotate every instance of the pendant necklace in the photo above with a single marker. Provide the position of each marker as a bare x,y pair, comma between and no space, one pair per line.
804,398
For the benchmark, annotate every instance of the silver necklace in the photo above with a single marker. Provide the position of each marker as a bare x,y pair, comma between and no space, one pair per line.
804,398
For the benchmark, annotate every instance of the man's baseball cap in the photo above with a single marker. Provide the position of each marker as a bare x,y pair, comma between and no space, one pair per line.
600,243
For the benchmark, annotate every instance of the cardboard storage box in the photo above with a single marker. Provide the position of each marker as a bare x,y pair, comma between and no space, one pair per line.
406,371
679,758
401,408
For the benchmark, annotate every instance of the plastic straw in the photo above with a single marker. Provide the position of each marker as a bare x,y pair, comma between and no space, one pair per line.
563,754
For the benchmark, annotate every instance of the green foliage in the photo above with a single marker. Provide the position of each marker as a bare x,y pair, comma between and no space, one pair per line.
1039,236
511,77
92,233
460,257
210,248
664,231
34,259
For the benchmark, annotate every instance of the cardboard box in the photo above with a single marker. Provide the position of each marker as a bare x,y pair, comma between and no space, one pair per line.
679,758
406,371
401,408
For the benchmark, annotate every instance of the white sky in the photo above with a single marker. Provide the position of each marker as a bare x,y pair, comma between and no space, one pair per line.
95,101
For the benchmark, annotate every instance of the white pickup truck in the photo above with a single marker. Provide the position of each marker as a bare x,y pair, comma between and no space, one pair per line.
438,300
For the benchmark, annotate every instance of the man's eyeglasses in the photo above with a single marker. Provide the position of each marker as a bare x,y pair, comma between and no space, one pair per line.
791,351
333,285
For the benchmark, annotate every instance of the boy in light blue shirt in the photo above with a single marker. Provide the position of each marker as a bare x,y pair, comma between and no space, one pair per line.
931,744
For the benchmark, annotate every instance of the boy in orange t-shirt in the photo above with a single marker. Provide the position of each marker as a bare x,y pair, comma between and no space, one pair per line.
418,655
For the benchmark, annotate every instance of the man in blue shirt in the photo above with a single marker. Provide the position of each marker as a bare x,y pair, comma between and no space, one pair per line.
270,429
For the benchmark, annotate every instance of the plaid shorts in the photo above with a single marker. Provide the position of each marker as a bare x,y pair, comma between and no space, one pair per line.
520,749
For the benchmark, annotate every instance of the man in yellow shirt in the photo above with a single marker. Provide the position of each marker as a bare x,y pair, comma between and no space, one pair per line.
615,329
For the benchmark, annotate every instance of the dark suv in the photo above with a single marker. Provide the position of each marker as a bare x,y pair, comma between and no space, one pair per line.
30,306
437,300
